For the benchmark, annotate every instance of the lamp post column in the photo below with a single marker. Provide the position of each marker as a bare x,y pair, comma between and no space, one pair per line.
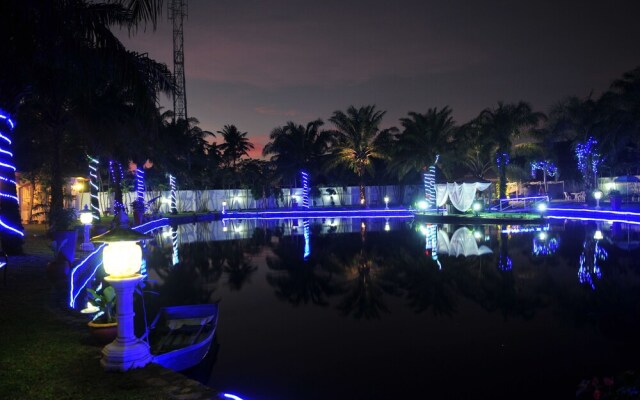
127,351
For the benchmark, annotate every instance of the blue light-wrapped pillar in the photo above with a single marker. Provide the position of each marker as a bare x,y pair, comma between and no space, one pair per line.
429,179
140,185
172,185
94,188
304,177
11,231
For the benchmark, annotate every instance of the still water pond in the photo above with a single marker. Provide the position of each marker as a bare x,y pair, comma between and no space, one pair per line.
375,309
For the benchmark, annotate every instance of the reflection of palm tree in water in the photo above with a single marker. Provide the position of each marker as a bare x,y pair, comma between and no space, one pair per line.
236,265
363,291
298,280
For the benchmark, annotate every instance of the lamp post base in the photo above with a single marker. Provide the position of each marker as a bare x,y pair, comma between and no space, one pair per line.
118,356
127,351
87,246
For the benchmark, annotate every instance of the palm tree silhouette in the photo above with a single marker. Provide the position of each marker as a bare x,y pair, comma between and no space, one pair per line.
235,145
356,144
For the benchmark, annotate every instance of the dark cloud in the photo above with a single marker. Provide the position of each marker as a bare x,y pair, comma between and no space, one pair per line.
259,63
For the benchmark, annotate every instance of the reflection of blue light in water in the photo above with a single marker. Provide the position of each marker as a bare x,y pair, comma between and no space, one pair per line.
174,243
431,242
231,396
589,265
543,246
307,244
505,263
525,229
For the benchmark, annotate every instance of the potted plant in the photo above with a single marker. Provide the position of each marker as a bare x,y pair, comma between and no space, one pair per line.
62,227
102,303
138,208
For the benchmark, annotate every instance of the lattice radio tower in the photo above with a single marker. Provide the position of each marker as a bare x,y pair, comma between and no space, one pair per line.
177,13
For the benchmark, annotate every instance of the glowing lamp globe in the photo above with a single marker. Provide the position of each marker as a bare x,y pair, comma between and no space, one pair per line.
542,207
597,194
86,217
122,257
598,235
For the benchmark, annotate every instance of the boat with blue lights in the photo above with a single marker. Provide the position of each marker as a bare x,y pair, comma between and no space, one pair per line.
180,336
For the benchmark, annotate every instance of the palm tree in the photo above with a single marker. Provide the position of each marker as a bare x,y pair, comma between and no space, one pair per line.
295,147
235,145
355,144
184,151
501,125
424,137
73,59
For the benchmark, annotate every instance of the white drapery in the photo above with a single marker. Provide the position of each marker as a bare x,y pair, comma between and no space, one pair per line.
461,195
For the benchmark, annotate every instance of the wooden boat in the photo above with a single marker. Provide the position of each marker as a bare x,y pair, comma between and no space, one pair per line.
185,337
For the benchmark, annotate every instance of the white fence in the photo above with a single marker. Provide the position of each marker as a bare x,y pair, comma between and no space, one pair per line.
239,199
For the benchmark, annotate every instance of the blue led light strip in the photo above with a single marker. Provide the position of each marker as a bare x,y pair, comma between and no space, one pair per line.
5,159
305,189
73,293
2,178
12,229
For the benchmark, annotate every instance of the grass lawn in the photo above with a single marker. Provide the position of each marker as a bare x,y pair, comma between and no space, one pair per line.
45,350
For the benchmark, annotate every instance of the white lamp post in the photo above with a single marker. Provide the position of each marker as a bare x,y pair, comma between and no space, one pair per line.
597,195
224,207
121,259
386,202
86,218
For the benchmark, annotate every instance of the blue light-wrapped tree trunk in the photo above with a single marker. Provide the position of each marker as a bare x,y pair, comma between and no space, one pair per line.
11,230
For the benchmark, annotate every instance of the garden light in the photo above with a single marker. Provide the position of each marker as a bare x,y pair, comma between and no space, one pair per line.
598,235
542,236
597,195
542,208
122,258
86,218
386,202
422,205
477,207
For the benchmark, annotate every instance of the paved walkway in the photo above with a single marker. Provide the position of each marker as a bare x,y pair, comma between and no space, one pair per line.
27,285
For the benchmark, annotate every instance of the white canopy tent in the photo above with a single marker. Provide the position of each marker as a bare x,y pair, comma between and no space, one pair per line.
461,195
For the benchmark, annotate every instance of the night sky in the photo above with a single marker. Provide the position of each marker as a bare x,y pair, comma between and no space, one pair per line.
259,63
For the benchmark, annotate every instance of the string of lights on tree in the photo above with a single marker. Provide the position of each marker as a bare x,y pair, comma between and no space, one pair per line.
589,160
547,167
305,189
8,200
93,185
116,168
502,159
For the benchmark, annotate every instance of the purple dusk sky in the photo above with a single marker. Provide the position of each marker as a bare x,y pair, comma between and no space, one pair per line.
260,63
